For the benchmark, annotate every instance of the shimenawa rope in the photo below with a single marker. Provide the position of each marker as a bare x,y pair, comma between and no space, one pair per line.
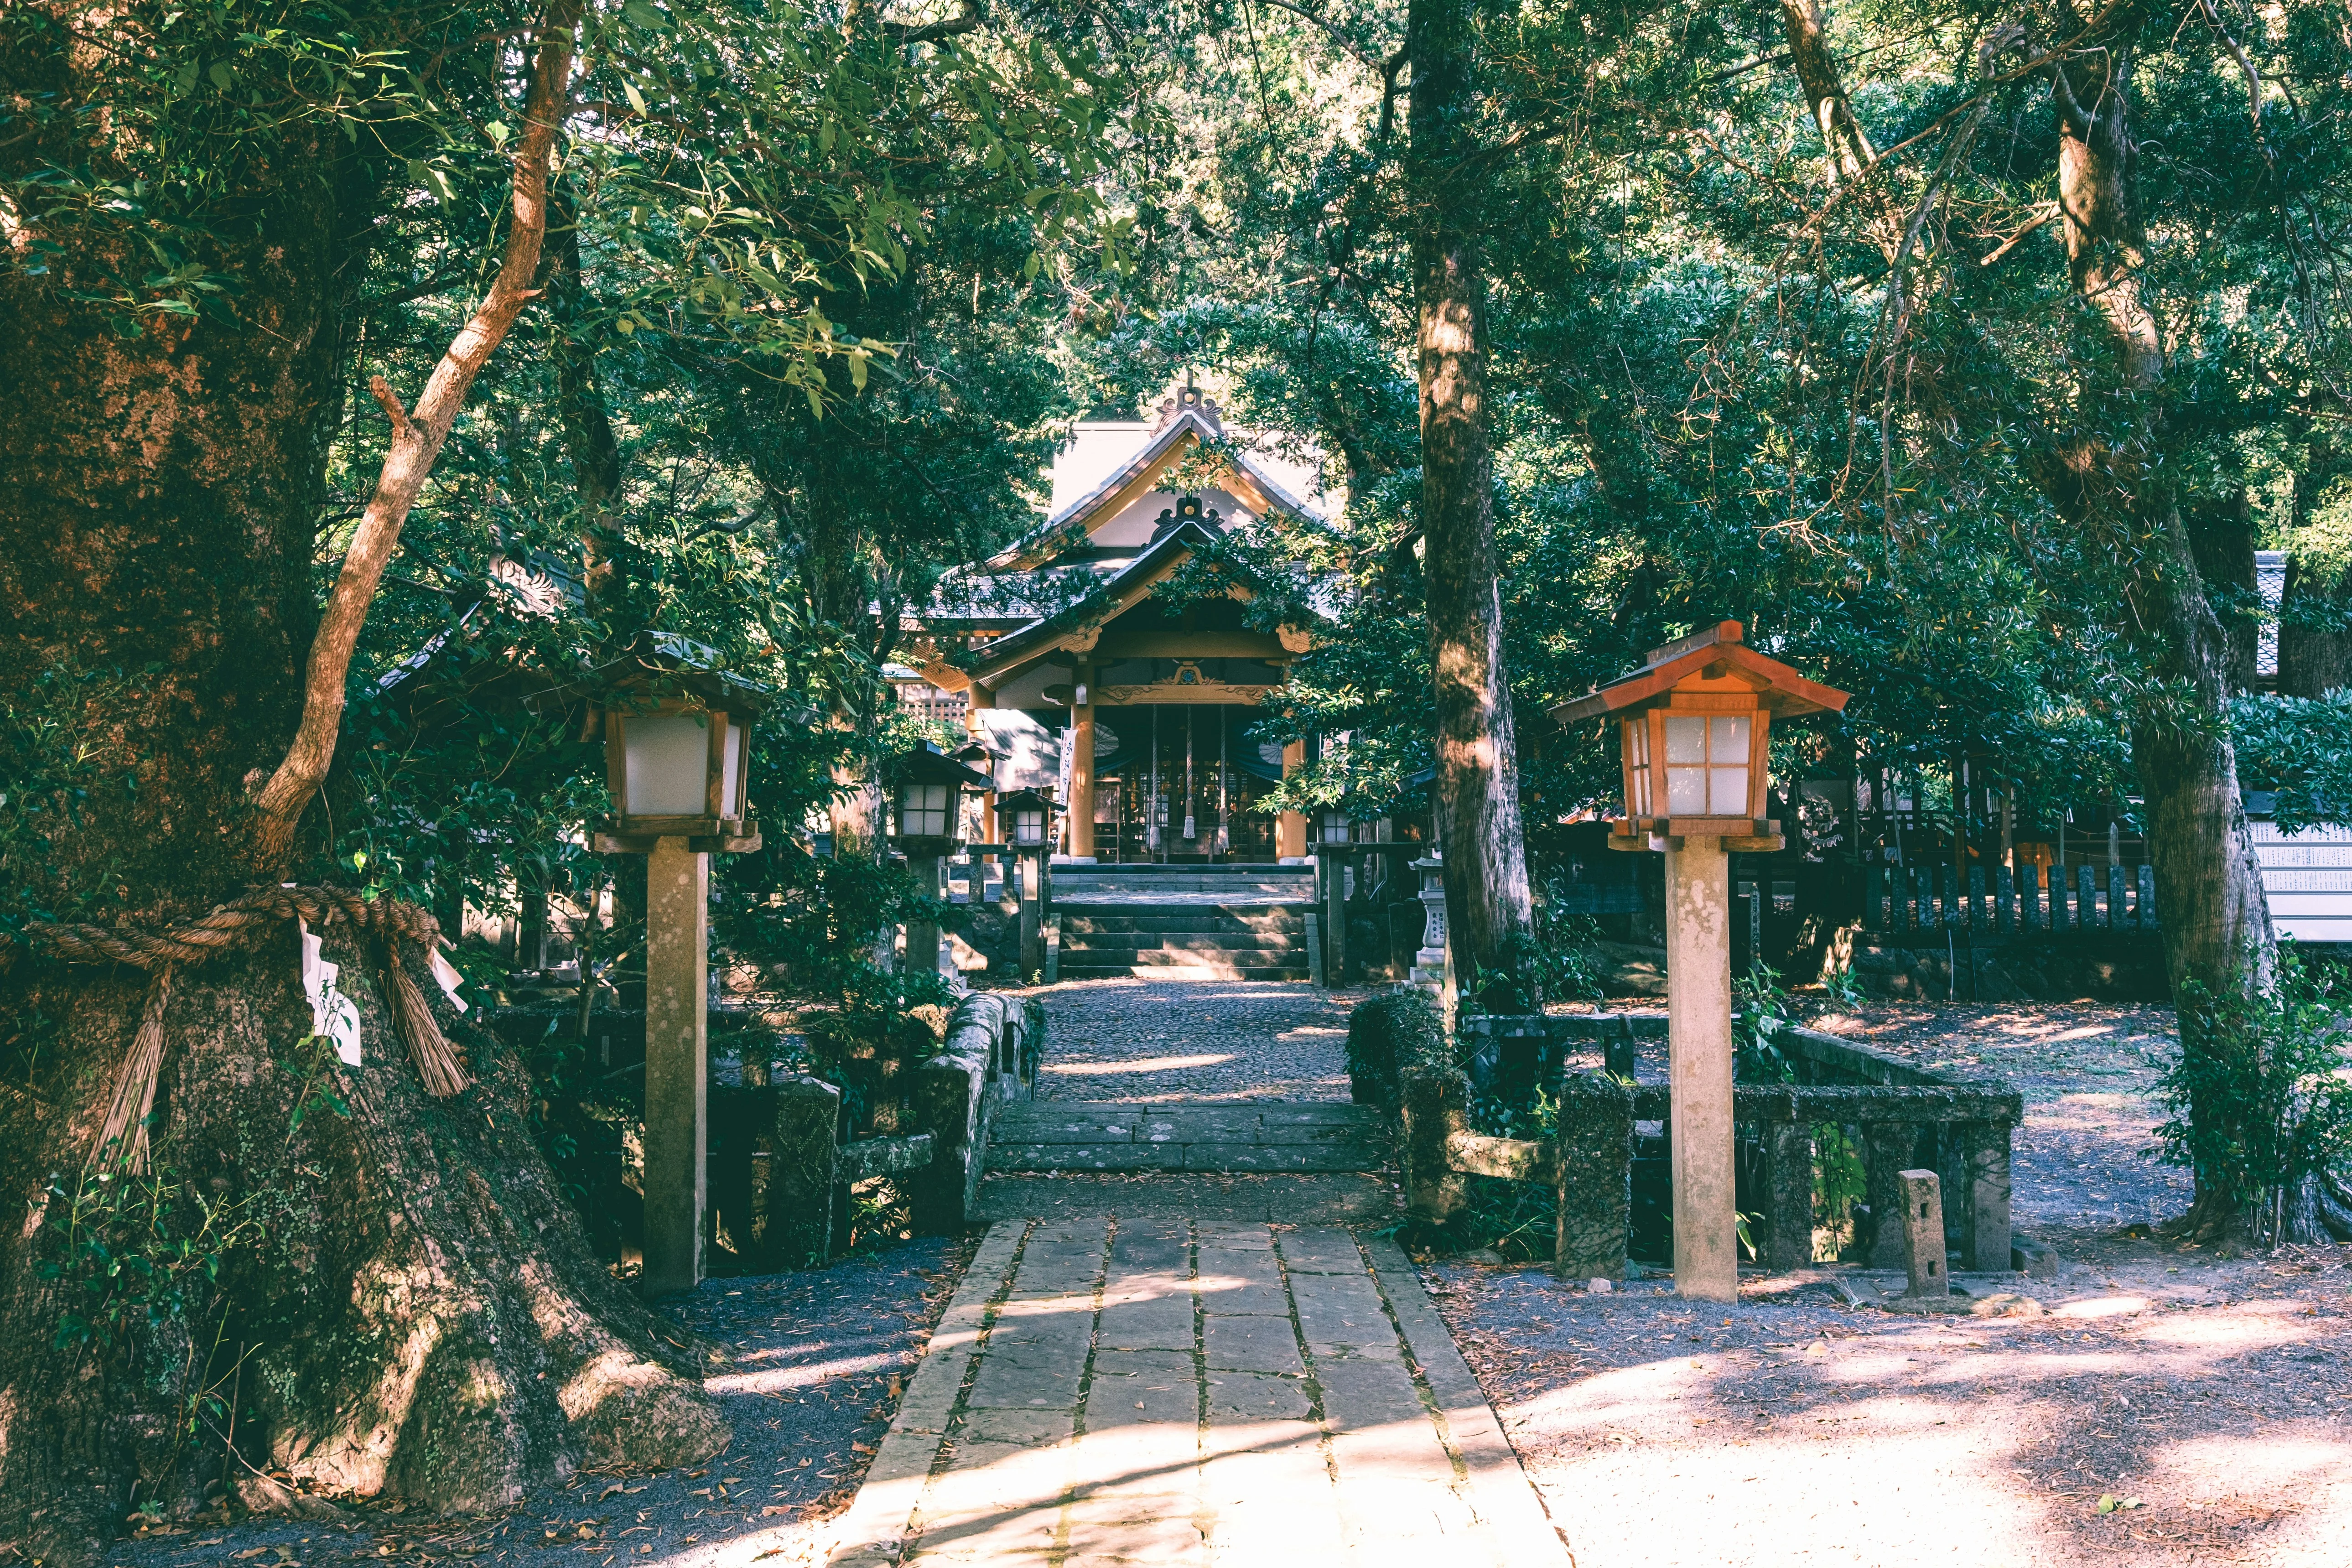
124,1138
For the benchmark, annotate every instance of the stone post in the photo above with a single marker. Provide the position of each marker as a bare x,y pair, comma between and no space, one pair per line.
1788,1240
1435,1107
1082,768
802,1154
678,1076
1698,1043
1923,1233
1595,1154
1887,1148
1984,1149
1031,861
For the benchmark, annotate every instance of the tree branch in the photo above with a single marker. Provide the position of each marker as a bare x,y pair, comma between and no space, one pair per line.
966,20
1355,51
416,440
1396,62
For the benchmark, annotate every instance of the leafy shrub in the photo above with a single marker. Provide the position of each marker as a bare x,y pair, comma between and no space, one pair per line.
2259,1097
1395,1033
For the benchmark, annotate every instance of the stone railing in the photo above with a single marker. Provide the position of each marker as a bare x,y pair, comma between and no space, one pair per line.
780,1175
1899,1116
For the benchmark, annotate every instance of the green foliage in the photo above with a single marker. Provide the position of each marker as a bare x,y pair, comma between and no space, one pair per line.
2300,747
1395,1034
2260,1096
1759,1015
129,1249
58,748
1840,1180
1568,956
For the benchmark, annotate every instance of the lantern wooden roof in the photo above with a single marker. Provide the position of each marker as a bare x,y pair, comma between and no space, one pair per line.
927,763
1717,654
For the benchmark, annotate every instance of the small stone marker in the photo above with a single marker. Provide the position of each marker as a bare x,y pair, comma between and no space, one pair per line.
1923,1231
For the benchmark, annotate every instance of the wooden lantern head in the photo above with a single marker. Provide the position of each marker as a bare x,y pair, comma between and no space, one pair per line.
678,747
1696,724
1027,817
929,799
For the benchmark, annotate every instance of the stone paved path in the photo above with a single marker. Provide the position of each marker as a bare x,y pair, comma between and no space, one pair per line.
1173,1391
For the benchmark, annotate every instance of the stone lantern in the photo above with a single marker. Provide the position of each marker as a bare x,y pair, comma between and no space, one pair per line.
1693,726
1429,963
677,759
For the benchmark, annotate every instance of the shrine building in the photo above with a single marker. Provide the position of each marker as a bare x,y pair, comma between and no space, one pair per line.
1151,704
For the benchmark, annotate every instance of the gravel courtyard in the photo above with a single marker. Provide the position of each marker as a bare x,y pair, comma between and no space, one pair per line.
1206,1040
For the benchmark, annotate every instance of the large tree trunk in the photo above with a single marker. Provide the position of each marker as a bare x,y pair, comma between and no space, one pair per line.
417,1308
2111,477
1490,915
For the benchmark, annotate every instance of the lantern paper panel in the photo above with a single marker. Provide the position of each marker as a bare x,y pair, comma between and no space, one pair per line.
736,777
667,758
925,810
1637,768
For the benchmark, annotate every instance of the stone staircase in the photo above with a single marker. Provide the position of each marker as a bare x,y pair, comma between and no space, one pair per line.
1297,1162
1183,922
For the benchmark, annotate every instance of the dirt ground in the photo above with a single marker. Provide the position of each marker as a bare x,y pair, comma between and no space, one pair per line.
2163,1405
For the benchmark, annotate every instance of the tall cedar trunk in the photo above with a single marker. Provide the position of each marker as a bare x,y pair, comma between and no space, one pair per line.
420,1312
587,429
1490,916
2221,535
2111,476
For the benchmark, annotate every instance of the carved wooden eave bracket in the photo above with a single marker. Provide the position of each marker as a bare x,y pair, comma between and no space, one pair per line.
1296,639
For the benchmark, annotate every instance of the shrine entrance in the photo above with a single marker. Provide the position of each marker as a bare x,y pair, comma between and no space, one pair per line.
1180,782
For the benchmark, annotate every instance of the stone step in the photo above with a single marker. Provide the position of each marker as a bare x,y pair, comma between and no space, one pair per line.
1132,957
1171,899
1180,942
1070,1135
1200,972
1100,922
1302,1197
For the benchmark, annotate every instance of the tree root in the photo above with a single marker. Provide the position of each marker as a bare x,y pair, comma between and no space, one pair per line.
413,1307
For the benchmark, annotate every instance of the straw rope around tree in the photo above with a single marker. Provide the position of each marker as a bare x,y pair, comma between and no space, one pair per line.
239,923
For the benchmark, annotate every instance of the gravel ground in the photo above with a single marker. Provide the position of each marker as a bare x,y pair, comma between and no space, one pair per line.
2209,1396
1131,1039
1664,1434
817,1361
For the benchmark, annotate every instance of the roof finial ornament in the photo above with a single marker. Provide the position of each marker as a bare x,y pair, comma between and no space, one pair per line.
1188,398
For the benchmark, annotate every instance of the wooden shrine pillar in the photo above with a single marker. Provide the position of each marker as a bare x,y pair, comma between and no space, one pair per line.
978,697
1082,765
1290,827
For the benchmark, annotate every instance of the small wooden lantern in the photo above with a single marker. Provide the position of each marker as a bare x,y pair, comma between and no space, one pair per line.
1695,723
929,799
677,748
1027,817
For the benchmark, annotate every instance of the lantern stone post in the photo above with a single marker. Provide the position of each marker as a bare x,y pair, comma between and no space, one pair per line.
677,1065
1695,723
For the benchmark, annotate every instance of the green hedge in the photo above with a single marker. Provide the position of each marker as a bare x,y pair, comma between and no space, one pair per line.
1392,1033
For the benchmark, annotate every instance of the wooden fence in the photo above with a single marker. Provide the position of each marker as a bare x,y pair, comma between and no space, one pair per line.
2031,899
